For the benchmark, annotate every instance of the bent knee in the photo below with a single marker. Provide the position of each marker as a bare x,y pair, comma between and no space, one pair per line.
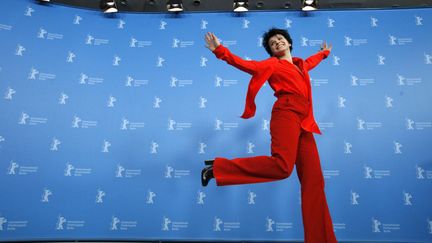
286,167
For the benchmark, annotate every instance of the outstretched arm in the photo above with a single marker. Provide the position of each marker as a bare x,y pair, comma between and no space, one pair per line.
313,60
221,52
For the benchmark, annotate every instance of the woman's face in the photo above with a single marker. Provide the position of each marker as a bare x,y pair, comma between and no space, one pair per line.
279,45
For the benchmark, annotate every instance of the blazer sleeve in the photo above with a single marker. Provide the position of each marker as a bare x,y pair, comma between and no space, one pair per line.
314,60
225,54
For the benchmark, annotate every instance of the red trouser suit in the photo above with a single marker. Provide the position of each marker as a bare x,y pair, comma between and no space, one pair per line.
290,144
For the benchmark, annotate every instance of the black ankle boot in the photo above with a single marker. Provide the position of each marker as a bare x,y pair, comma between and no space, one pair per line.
206,175
209,162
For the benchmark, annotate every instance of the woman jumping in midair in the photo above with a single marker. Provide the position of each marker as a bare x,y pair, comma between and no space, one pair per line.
291,126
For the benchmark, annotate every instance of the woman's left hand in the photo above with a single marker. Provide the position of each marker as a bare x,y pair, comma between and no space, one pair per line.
324,47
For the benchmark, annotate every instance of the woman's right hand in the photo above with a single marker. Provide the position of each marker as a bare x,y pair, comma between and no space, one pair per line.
211,41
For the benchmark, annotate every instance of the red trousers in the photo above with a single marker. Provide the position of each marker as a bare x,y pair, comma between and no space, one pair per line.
290,145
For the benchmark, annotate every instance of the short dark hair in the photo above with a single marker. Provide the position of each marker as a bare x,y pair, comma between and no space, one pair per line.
272,32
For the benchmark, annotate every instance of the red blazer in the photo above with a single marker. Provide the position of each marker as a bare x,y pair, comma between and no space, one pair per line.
283,77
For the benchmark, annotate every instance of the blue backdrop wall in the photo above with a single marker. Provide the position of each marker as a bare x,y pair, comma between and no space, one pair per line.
105,123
